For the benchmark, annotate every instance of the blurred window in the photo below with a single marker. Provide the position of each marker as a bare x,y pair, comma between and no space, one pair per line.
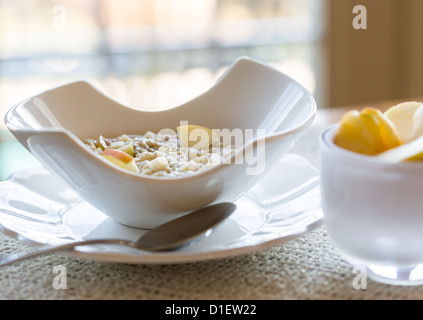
151,54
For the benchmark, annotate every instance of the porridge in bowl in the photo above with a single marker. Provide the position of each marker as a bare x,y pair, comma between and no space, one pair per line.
191,150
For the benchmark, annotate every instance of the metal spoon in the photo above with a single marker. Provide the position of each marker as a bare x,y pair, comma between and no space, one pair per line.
169,236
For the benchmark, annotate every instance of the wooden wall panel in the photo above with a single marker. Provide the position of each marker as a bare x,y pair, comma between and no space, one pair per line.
416,49
380,63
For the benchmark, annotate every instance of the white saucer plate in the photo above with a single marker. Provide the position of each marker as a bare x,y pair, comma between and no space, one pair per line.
36,208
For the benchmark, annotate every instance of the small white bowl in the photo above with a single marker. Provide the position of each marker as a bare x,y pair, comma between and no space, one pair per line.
249,95
373,211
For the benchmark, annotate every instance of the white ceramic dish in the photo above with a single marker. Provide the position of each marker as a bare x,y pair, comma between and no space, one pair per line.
250,95
35,207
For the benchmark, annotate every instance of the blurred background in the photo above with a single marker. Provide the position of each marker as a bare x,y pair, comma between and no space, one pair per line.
156,54
151,53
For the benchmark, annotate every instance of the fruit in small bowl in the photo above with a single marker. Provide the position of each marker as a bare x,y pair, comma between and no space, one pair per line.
395,135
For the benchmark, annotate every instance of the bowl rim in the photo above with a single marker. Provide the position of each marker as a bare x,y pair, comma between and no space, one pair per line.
326,140
305,122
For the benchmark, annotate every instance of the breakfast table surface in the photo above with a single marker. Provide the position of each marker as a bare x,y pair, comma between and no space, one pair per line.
307,267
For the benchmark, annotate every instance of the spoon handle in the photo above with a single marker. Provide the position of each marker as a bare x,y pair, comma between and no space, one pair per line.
19,256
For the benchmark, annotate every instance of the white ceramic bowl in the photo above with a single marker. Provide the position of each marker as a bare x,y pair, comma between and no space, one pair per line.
249,95
373,211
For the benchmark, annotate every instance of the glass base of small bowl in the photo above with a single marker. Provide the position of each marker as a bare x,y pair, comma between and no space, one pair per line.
411,276
387,274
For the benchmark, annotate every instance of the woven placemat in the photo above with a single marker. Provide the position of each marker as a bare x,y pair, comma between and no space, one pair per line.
308,267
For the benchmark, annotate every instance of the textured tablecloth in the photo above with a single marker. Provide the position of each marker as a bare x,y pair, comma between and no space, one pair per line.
308,267
305,268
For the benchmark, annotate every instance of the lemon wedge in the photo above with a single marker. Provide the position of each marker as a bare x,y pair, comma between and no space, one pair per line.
367,132
408,120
